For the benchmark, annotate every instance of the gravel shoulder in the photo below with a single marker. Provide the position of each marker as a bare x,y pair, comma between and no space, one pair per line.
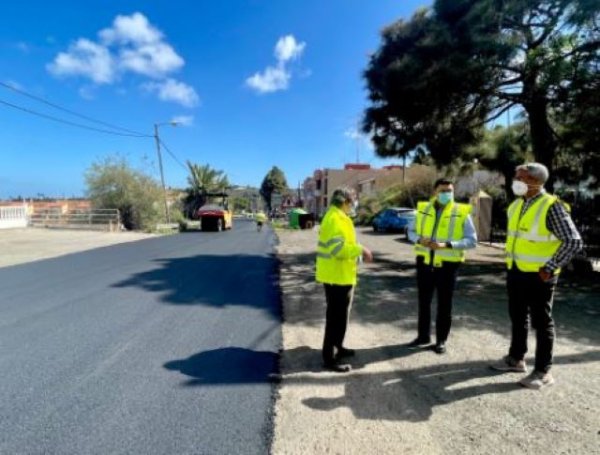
396,400
18,246
416,402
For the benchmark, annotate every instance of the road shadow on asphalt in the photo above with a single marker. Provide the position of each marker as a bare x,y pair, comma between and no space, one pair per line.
412,394
213,281
227,366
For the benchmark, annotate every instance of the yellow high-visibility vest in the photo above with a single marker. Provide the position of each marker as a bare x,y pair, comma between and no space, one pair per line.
529,242
337,250
450,228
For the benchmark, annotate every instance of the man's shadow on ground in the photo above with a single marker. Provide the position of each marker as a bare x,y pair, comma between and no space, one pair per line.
227,366
409,394
305,359
402,394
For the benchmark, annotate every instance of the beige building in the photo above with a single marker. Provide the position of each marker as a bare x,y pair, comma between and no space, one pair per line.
318,188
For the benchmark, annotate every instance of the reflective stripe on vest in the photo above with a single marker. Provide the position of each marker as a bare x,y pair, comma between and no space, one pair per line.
528,257
529,243
337,241
426,220
337,250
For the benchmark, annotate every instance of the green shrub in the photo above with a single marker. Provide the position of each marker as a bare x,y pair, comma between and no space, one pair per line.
113,184
401,195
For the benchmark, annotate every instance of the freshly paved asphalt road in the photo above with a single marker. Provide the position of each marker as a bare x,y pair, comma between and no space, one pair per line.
162,346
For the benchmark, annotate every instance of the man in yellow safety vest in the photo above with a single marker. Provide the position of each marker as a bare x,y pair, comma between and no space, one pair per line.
541,238
337,255
441,232
261,219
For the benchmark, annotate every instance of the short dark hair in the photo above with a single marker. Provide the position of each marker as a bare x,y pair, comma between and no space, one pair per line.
442,181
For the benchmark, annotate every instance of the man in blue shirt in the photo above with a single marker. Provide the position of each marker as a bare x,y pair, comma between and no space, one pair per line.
441,231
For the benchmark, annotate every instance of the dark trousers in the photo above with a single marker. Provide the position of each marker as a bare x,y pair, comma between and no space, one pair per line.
339,299
529,296
443,280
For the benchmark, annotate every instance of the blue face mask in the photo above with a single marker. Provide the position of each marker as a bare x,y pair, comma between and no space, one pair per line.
445,197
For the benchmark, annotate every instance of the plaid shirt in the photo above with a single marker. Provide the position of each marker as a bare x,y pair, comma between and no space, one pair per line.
559,222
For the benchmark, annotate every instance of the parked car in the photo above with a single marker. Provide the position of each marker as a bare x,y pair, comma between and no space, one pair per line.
394,219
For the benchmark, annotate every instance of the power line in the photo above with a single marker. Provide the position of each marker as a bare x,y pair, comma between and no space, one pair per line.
56,106
172,155
129,133
67,122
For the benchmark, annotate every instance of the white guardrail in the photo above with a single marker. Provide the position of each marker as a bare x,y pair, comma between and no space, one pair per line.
13,217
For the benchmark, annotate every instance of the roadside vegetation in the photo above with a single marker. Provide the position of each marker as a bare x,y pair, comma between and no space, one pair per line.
112,183
438,79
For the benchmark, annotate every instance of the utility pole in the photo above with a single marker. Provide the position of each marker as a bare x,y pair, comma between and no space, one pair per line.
162,176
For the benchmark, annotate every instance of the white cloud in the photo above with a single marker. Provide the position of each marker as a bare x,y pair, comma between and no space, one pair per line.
154,60
288,49
183,120
85,58
14,84
353,134
358,136
173,90
270,80
131,29
132,45
141,47
275,78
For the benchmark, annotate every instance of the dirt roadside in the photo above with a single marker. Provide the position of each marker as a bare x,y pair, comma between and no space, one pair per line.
18,246
397,401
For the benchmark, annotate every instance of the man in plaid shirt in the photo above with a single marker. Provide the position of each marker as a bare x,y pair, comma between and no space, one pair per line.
541,238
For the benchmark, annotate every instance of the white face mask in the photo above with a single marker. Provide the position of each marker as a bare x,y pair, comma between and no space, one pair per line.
353,208
519,188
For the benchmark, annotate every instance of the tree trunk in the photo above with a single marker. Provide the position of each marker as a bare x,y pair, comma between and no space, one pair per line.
542,137
508,174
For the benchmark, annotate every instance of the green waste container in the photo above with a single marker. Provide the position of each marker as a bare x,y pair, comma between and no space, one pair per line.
294,218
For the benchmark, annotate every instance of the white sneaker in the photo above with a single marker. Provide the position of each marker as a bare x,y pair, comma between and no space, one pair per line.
537,380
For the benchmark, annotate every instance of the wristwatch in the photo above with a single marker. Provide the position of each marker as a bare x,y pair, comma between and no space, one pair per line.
448,244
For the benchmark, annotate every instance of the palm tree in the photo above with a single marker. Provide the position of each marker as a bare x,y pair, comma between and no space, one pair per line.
203,179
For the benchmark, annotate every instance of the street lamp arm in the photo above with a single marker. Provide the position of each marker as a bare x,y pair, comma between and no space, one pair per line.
171,123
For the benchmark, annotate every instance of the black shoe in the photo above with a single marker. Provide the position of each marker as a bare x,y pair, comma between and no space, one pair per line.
418,343
440,348
345,352
337,367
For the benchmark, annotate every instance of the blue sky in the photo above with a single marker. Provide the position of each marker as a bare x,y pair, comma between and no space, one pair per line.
257,82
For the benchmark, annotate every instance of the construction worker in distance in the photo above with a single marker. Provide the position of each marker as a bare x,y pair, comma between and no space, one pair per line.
337,257
261,219
441,232
540,239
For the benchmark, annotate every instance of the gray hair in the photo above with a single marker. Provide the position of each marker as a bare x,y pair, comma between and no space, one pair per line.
537,170
341,195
